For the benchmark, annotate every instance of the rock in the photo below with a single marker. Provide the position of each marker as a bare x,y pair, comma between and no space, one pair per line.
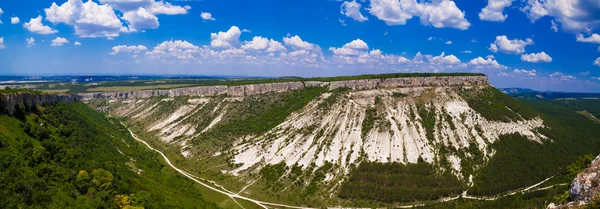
586,184
251,89
9,100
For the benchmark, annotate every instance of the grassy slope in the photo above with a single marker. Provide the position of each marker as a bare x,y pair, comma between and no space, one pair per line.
43,154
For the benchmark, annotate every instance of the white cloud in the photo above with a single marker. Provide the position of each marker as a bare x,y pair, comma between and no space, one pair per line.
35,25
2,41
89,19
597,61
444,60
354,47
553,26
77,43
1,12
128,49
178,49
536,57
594,38
488,63
15,20
297,43
530,73
493,10
206,16
515,46
430,38
473,41
448,42
352,10
167,8
574,15
30,41
59,41
439,14
140,19
561,76
466,52
246,31
263,44
228,39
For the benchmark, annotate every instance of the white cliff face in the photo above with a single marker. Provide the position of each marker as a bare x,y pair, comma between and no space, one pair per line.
338,139
316,135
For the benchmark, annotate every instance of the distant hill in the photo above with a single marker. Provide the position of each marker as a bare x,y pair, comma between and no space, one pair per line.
523,93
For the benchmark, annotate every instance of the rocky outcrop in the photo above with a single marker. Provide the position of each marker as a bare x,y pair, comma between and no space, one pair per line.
250,89
585,186
587,183
9,100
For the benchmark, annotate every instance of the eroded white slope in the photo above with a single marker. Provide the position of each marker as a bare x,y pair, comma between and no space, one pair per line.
337,136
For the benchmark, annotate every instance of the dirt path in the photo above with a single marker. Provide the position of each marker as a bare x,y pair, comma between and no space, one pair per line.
199,180
263,204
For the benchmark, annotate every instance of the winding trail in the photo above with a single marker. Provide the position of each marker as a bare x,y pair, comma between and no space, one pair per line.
232,195
199,180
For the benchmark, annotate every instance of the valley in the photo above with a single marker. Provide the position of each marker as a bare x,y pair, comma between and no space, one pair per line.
390,141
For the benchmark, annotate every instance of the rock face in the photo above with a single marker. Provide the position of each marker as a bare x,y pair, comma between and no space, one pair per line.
252,89
587,183
9,101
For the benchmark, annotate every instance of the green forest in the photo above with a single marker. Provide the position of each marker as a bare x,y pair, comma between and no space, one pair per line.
70,156
396,182
520,162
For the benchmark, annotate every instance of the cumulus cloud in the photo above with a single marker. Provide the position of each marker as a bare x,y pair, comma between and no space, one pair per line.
228,39
439,14
574,16
2,42
536,57
206,16
489,62
140,19
59,41
30,41
448,42
77,43
594,38
15,20
297,43
597,62
530,73
89,19
35,25
561,76
128,49
493,10
352,10
352,48
515,46
1,12
263,44
178,49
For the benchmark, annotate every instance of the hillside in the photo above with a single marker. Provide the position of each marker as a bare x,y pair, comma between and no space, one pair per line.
370,142
62,155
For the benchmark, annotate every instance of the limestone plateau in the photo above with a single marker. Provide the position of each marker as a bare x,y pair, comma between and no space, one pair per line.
221,129
251,89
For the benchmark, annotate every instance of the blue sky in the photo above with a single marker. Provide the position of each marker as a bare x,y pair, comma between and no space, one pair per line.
544,45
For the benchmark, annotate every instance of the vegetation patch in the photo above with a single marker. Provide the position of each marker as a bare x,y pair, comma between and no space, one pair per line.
65,156
396,182
495,105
